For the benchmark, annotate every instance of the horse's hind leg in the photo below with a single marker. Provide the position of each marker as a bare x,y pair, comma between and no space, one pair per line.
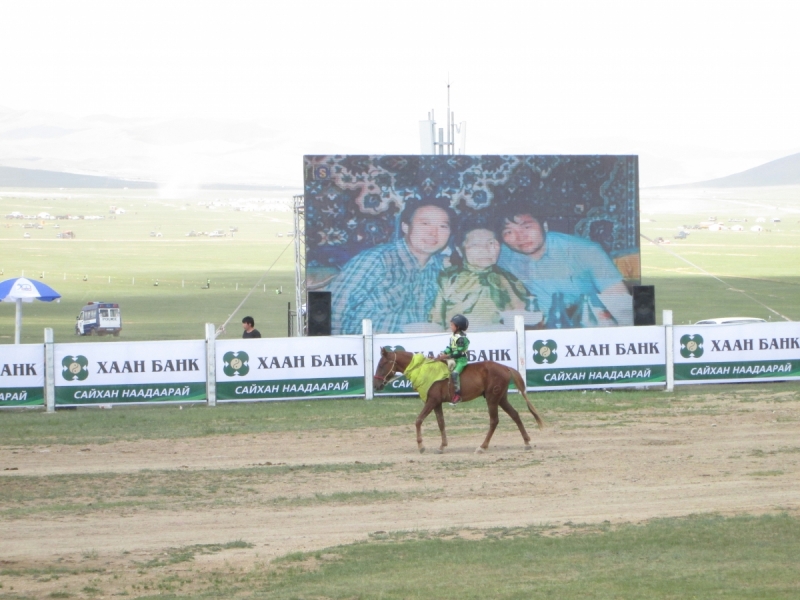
426,410
440,420
494,419
512,412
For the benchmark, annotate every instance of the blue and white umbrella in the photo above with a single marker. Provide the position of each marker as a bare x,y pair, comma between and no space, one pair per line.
21,290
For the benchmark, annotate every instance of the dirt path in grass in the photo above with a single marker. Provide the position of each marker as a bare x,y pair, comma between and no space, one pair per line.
734,457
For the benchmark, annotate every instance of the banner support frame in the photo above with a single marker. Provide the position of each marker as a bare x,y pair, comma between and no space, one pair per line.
211,365
369,368
49,371
666,319
519,329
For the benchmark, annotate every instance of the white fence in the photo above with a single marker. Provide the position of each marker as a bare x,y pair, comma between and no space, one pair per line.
210,370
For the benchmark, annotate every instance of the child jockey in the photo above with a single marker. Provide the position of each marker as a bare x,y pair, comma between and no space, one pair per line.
457,350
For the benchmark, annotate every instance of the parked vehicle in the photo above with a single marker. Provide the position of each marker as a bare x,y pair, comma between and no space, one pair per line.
730,321
99,318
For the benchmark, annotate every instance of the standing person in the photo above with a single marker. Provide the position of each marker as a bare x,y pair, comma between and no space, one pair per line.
475,285
457,350
551,262
248,324
394,284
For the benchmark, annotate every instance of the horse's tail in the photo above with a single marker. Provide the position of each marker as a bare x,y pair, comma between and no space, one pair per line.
520,383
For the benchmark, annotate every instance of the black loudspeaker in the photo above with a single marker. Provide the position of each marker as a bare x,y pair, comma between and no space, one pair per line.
319,313
644,305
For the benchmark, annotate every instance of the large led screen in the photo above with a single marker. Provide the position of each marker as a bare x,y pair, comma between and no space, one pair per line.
410,241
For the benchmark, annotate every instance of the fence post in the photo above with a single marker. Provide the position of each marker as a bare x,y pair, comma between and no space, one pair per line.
519,329
667,320
49,372
211,365
369,368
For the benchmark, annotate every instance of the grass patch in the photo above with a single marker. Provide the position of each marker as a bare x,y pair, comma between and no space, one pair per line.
700,557
359,497
161,489
130,423
765,473
757,453
187,553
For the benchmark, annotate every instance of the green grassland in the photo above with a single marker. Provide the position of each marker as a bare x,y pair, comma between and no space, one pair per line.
121,262
756,269
695,557
700,557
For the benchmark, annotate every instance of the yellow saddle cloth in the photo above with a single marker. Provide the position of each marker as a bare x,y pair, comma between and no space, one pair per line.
424,372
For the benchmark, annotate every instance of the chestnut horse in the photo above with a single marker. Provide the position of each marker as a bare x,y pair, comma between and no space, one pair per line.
487,378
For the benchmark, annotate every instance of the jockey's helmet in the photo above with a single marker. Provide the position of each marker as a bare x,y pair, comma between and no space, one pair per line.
460,321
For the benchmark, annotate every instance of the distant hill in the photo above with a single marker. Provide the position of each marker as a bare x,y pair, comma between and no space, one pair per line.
37,178
180,153
783,171
14,177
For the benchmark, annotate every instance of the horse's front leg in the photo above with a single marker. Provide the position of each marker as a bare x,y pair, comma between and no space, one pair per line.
440,420
426,410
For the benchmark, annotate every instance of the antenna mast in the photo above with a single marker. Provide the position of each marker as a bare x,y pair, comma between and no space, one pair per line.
428,138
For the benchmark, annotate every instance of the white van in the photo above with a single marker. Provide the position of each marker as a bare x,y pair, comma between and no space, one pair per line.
730,321
99,318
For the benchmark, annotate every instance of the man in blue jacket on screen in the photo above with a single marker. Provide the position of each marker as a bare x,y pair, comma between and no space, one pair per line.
551,262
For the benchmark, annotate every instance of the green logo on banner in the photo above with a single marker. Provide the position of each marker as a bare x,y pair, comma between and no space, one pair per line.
691,346
75,368
544,352
236,363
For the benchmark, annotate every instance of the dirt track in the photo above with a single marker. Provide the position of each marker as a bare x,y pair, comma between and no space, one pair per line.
742,457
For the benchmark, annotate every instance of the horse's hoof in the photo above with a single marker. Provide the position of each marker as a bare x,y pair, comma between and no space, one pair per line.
528,447
422,449
438,451
479,450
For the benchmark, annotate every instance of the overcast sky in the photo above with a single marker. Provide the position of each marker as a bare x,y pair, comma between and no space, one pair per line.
527,76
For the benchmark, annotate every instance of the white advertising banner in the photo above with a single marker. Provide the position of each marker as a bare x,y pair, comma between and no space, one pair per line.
595,358
21,375
736,353
499,347
130,372
290,368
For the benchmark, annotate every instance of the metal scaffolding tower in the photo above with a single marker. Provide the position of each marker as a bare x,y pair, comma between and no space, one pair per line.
299,209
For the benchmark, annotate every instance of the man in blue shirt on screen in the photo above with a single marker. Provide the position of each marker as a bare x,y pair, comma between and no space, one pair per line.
394,284
551,262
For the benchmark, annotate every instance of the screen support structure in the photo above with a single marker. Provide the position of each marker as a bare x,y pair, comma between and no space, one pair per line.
299,209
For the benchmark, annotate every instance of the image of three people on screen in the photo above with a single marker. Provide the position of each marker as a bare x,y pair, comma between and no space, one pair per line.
489,267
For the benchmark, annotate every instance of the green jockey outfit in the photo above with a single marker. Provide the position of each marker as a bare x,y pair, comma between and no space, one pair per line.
457,350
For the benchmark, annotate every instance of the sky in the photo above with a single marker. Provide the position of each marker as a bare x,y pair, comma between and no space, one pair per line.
699,89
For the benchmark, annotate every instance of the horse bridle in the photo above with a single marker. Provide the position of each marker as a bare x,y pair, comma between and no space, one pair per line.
390,374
